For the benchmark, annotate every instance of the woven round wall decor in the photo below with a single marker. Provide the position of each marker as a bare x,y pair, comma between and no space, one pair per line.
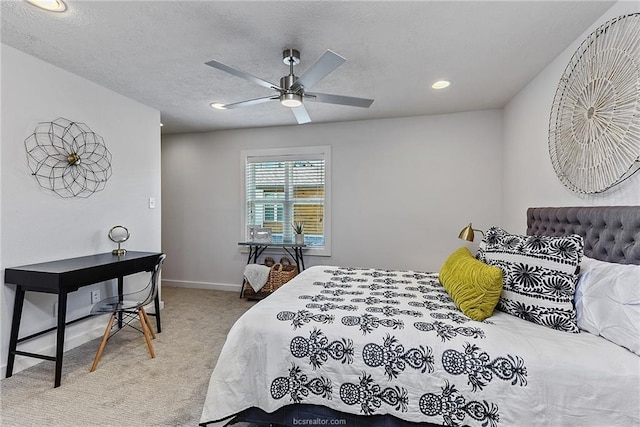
68,158
594,127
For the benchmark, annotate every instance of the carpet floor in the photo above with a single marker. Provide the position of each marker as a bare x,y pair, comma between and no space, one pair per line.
129,388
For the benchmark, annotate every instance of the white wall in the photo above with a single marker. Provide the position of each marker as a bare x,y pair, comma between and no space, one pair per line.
528,176
426,176
36,224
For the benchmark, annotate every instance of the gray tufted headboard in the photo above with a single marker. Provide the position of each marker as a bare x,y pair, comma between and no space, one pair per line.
611,233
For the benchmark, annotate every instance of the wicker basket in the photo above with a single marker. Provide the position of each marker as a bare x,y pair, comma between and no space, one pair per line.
280,274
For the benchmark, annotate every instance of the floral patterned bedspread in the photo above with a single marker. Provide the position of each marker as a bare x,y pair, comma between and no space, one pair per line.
370,341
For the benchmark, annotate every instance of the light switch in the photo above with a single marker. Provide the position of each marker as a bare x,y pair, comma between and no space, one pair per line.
152,203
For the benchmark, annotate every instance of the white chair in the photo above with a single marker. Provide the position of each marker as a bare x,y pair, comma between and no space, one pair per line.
127,310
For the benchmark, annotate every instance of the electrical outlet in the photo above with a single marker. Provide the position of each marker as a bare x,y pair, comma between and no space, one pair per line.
95,296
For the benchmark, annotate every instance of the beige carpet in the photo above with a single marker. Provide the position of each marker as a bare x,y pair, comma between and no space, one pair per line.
129,388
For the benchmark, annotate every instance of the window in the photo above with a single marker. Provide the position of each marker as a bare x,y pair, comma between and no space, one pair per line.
283,186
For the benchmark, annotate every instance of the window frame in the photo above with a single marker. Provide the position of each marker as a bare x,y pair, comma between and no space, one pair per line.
291,153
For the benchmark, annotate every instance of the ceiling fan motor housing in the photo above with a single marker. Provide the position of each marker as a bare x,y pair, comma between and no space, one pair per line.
287,81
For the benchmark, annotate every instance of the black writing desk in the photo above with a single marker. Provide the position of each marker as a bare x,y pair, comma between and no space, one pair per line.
64,276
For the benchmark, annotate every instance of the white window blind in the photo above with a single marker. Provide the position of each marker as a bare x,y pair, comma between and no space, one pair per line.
286,188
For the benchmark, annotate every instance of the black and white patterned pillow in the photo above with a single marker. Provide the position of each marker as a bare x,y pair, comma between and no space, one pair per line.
540,274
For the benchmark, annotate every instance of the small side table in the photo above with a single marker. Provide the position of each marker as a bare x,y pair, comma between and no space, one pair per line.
256,249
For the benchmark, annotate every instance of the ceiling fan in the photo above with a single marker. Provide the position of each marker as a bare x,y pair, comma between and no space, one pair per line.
293,89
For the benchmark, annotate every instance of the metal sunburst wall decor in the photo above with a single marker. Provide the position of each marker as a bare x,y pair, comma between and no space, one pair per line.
68,158
594,127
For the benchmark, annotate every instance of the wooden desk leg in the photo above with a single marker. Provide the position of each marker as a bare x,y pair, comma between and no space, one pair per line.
15,328
62,317
156,303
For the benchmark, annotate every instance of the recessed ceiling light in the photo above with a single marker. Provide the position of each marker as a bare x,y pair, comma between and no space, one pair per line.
50,5
441,84
218,106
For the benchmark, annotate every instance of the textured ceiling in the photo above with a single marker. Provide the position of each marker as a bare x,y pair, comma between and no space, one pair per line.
155,52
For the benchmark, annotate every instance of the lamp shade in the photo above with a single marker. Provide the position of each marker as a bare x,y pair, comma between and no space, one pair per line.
467,233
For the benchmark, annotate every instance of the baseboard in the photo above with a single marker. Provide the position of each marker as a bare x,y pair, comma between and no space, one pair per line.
201,285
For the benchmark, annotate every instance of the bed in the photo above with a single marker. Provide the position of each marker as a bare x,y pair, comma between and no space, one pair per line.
373,347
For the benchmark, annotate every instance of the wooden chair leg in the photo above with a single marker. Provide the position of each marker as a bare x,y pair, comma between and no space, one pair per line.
145,331
146,319
105,337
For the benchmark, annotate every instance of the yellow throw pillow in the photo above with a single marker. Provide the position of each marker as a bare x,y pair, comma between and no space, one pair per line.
474,286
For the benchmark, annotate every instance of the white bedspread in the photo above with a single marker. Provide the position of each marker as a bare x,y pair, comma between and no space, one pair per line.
368,341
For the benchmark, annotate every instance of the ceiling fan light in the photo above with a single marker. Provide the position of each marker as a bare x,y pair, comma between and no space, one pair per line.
291,100
50,5
218,106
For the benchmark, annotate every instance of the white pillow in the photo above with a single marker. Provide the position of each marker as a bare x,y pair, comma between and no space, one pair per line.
608,302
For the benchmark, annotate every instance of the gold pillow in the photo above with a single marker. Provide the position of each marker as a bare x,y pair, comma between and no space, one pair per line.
474,286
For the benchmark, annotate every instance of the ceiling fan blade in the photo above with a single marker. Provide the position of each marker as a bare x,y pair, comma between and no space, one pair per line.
250,102
328,62
338,99
243,75
301,114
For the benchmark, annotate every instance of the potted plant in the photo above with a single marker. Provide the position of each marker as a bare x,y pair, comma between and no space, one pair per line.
298,229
